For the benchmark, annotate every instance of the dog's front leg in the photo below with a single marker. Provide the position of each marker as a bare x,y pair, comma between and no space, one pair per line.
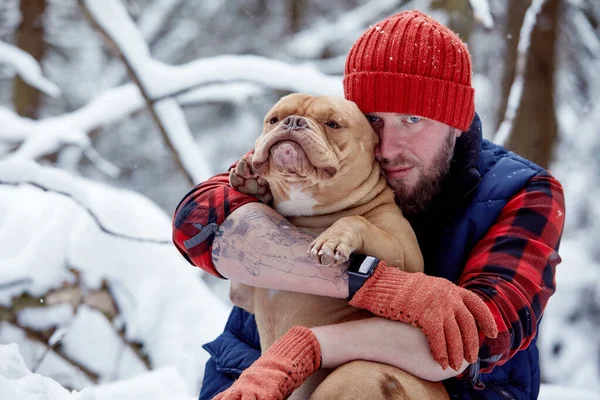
396,244
337,242
242,296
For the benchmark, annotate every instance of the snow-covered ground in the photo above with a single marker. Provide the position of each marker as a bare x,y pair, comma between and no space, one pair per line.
61,235
18,382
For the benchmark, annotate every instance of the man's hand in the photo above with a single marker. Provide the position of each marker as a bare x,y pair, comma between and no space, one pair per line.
244,179
447,314
278,372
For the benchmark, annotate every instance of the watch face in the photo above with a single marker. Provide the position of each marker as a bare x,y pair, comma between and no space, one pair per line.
365,266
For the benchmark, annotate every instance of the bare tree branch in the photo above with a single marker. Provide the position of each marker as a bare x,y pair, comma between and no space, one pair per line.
143,89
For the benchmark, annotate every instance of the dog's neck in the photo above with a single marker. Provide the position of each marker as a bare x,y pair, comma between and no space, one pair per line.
305,211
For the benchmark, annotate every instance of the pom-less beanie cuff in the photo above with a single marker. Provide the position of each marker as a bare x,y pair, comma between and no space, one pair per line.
443,101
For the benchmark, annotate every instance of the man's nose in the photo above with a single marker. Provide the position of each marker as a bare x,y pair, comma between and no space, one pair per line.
295,122
389,146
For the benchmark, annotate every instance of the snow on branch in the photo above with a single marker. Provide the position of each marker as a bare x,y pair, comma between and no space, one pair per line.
584,28
481,10
112,20
158,82
516,90
154,17
43,137
18,172
246,68
311,42
27,68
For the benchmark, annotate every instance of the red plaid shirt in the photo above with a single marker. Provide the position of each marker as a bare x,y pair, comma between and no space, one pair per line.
512,268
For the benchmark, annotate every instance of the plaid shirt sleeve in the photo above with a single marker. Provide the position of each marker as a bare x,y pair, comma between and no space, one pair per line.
199,215
513,268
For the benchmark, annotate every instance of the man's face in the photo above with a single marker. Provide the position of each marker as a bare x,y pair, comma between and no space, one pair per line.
414,154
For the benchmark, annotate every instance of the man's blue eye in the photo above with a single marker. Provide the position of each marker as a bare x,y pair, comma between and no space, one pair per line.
413,120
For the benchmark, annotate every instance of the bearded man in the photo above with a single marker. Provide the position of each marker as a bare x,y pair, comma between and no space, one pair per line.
488,222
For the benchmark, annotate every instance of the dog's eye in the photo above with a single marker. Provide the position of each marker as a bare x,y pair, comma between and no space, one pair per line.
273,120
333,124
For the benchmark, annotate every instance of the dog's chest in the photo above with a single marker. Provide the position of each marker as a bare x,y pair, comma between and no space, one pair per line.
299,204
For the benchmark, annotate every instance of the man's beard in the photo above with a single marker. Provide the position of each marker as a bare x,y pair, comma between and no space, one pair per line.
415,199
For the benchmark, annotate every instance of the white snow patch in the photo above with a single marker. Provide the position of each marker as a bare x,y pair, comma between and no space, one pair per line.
481,11
28,68
18,383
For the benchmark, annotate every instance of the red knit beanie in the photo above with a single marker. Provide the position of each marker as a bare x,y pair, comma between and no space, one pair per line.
411,64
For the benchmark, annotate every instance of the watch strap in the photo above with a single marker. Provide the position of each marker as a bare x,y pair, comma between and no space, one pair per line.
360,269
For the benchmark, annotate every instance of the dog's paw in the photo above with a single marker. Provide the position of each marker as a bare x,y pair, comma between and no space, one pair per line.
330,249
243,179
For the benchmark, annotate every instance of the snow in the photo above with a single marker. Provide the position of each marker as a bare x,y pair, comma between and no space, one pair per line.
575,366
555,392
91,341
163,80
310,43
18,382
42,318
268,72
110,235
154,16
158,80
481,10
191,155
45,136
28,68
41,360
237,93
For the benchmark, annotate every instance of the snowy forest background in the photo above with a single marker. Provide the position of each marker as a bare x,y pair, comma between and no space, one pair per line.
110,111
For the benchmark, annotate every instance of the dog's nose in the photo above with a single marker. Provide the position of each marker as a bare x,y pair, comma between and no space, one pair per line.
295,122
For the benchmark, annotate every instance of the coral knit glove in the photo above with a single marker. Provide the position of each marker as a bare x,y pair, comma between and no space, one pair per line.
447,314
278,372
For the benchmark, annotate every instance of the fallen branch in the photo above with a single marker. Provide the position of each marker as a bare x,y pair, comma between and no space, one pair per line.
29,174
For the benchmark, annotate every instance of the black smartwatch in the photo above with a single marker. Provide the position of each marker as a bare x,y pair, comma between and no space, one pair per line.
360,269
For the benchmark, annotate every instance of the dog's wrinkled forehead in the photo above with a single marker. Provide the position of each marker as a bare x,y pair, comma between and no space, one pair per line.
321,108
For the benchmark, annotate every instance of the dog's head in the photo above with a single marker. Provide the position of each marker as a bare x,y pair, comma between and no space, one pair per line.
313,152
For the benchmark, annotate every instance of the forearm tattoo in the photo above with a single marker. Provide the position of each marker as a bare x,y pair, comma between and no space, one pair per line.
261,242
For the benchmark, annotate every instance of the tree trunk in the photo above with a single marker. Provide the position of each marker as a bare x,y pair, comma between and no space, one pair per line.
535,126
515,14
30,38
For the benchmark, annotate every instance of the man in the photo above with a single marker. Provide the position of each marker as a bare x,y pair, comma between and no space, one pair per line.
488,223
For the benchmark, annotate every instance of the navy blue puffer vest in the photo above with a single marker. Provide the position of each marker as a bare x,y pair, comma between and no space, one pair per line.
483,177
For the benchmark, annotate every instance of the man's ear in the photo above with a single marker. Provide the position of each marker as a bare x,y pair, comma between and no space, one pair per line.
458,133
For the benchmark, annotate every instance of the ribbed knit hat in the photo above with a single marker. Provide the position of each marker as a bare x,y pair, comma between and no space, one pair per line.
411,64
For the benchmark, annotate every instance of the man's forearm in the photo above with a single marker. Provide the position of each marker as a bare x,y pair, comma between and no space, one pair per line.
258,247
383,341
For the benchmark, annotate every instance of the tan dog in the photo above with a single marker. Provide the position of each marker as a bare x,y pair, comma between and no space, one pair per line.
317,155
